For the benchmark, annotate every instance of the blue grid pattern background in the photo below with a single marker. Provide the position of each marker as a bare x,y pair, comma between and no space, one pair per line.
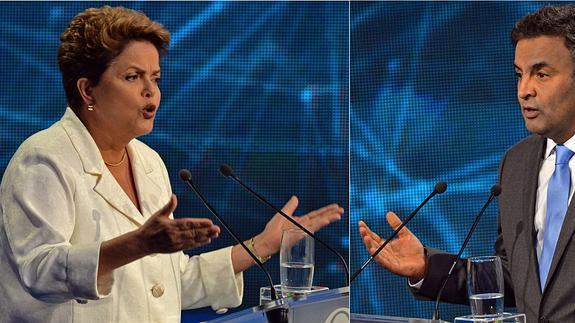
432,98
262,86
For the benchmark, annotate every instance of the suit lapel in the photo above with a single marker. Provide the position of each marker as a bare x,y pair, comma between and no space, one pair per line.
110,190
150,193
531,176
106,185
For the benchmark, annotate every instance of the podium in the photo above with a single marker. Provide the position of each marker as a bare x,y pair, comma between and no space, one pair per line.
505,318
330,306
364,318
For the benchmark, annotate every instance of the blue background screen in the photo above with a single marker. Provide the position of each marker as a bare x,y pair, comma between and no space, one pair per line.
261,86
433,98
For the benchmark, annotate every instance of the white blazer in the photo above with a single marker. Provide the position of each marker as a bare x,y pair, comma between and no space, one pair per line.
58,202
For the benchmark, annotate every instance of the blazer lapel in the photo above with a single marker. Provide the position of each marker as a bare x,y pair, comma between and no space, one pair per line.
147,180
531,170
110,190
153,193
106,186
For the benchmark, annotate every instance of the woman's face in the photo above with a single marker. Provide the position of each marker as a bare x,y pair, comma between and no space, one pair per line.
127,97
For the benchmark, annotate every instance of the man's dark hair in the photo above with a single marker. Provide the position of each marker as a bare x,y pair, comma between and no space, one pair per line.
548,21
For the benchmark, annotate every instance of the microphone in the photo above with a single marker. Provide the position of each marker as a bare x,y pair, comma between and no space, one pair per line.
495,191
186,176
439,188
227,171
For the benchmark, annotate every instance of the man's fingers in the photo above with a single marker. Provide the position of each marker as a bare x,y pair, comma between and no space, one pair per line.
365,230
370,239
369,242
381,257
394,221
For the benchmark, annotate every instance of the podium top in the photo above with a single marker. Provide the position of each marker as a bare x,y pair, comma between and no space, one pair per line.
364,318
258,313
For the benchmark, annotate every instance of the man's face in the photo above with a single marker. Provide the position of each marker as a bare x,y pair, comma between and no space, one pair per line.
545,86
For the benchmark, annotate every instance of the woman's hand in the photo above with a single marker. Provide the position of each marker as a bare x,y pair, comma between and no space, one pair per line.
268,242
404,256
161,234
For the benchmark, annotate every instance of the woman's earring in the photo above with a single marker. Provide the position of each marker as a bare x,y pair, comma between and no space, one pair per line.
90,107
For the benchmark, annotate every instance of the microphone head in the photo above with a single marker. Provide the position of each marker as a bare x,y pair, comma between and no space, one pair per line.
185,175
440,187
496,190
226,170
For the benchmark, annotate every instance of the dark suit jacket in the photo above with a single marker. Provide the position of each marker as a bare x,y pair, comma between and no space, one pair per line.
515,245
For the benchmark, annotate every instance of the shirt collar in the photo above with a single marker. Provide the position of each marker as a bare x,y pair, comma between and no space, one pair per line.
550,147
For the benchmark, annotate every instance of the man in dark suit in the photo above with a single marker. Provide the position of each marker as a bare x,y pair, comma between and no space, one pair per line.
537,218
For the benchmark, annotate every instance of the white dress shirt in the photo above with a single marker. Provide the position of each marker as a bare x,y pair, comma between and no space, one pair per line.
58,202
547,168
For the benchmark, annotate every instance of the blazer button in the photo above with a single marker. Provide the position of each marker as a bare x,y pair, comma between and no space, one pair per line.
222,310
543,319
157,290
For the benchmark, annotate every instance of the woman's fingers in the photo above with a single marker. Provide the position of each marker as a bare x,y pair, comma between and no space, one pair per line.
328,209
169,208
161,234
319,218
195,232
290,206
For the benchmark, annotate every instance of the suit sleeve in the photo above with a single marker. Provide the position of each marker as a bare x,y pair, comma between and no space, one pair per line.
455,290
209,280
38,218
502,253
438,265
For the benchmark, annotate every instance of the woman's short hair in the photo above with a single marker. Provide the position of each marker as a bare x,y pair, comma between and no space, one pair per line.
97,36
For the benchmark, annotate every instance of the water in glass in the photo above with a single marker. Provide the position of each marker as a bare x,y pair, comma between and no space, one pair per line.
487,304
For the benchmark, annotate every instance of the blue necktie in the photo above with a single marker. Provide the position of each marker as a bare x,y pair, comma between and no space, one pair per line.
557,203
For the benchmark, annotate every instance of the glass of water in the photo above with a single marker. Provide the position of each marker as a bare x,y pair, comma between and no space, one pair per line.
485,286
296,262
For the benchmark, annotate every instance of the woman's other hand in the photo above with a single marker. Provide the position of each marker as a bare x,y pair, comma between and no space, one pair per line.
268,242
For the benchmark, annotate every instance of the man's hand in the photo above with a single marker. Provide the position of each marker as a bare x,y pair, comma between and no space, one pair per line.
404,256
